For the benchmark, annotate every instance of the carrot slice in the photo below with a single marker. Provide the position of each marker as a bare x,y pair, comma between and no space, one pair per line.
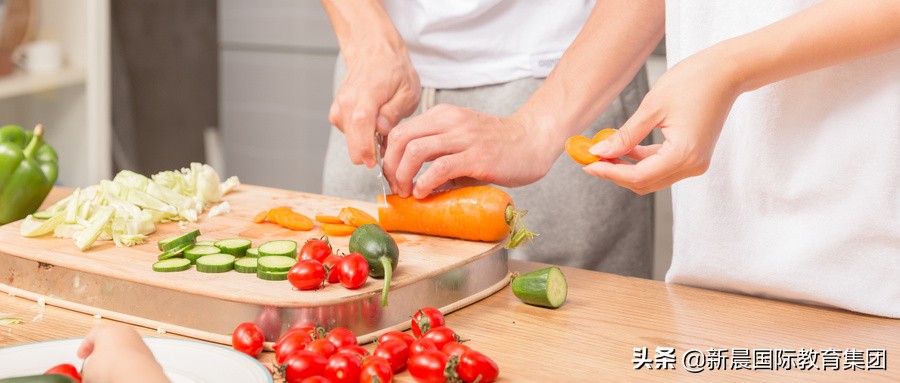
577,147
355,217
329,219
261,217
603,134
338,229
273,213
295,221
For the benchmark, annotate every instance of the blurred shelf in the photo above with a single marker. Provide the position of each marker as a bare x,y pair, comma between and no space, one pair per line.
20,83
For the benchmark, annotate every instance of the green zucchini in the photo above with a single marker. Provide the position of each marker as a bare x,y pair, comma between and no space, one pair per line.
178,240
545,287
380,251
253,252
215,263
172,265
49,378
174,252
276,264
284,248
234,246
245,265
271,275
198,251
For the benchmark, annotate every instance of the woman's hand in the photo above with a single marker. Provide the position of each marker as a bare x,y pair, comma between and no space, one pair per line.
689,105
465,147
118,354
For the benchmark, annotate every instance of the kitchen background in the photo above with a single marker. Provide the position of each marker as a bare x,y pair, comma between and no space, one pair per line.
151,85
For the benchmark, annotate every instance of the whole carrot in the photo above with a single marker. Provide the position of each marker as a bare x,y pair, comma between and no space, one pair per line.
477,213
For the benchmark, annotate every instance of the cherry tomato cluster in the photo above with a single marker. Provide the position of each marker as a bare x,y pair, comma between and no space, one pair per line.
318,264
306,354
437,355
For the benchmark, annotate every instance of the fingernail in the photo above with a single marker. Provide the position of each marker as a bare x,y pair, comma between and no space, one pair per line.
601,148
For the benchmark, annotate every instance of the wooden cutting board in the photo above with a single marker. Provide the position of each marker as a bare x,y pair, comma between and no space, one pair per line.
421,257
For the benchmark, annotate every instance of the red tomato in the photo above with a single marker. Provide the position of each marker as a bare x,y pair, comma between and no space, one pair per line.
474,365
406,338
307,274
322,347
303,364
248,338
421,345
441,336
375,369
290,343
428,367
341,337
354,349
426,319
330,264
395,351
354,271
316,379
454,348
317,249
65,369
343,368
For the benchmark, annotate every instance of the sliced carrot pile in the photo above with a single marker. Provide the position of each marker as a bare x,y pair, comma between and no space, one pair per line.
355,217
285,217
329,219
261,217
338,229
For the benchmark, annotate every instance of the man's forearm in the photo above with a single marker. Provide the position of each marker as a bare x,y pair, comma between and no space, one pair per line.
360,22
613,45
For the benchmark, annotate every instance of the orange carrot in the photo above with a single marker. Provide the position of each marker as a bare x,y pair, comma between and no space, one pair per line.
338,229
329,219
480,213
261,217
295,221
355,217
577,146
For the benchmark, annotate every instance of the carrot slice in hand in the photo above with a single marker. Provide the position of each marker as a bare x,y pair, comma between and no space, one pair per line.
261,217
577,146
329,219
338,229
355,217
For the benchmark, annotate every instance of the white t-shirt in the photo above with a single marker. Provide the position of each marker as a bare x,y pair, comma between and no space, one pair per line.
802,198
466,43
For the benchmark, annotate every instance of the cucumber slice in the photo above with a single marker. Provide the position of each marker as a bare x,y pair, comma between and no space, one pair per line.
253,252
215,263
178,240
205,243
245,265
171,265
545,287
198,251
284,248
42,215
276,264
172,253
234,246
271,275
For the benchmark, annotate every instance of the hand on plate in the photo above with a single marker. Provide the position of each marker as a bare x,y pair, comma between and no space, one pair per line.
118,354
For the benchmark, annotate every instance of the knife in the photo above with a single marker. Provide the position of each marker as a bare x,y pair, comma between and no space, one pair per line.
379,166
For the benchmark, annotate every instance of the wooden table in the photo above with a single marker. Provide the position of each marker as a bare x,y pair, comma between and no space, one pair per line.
606,321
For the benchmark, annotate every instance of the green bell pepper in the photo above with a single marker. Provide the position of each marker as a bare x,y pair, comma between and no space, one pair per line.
28,169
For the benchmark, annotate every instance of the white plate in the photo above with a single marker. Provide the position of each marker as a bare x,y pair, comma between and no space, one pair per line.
182,360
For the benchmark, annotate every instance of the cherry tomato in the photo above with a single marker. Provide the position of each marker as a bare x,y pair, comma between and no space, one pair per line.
395,351
290,343
428,367
330,264
441,336
307,274
316,379
343,368
474,365
322,347
406,338
303,364
65,369
317,249
248,338
341,337
354,271
375,369
426,319
454,348
354,349
420,345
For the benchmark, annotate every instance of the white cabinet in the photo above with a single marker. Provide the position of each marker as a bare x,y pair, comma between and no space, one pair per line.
276,65
73,104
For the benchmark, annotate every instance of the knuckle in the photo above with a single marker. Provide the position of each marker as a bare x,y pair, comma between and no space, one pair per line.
439,167
415,148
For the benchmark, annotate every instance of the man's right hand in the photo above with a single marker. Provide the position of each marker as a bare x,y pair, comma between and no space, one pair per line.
380,87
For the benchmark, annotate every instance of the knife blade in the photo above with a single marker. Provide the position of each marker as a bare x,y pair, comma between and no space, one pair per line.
379,167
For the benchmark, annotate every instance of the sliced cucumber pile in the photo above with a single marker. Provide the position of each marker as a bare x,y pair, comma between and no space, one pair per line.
215,263
174,252
205,243
176,241
253,252
234,246
198,251
270,261
545,287
284,248
272,275
245,265
275,264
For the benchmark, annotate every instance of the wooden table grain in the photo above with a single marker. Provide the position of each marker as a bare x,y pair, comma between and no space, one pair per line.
602,328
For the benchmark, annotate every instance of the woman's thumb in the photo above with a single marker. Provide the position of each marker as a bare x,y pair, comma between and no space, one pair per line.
627,137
